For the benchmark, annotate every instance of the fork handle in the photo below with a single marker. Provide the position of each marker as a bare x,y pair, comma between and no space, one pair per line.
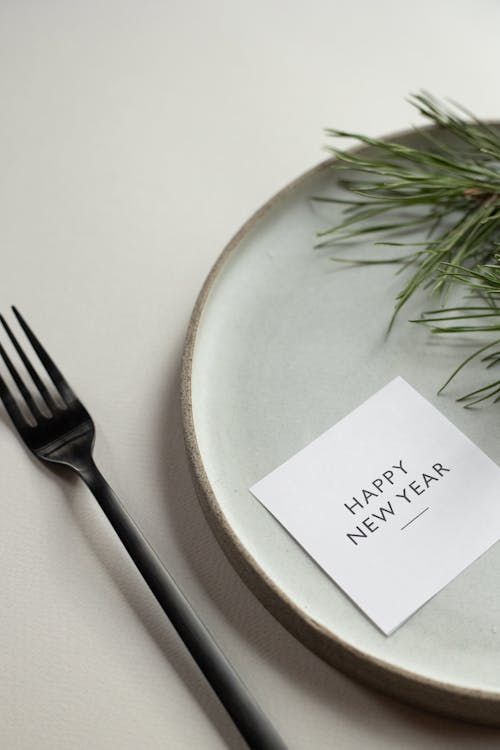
255,727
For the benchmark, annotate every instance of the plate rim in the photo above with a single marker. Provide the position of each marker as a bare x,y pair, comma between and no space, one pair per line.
438,696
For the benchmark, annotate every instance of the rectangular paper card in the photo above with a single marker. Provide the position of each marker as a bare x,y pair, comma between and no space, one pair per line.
393,502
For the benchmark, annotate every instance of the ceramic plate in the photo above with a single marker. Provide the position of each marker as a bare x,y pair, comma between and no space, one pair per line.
283,343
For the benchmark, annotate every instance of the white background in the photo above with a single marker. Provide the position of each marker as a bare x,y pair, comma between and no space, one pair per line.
135,138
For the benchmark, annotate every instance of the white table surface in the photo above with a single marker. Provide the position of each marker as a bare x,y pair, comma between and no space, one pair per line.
135,139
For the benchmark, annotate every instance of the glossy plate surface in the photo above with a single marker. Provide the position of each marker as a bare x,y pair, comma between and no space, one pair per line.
282,344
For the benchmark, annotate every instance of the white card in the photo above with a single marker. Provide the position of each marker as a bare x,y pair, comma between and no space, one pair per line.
393,502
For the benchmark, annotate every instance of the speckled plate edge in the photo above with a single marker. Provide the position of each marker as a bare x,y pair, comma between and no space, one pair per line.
434,695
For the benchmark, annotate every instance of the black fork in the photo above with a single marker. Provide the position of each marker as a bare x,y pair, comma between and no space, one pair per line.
63,433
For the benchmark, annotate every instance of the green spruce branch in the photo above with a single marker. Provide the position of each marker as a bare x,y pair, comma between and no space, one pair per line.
480,315
449,189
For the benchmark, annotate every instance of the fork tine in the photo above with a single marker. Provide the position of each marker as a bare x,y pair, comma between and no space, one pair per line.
56,376
33,373
20,384
11,407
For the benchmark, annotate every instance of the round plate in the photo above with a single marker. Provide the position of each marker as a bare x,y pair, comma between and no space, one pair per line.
283,343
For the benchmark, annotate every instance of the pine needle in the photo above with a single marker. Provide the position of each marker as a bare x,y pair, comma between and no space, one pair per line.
450,188
483,284
453,191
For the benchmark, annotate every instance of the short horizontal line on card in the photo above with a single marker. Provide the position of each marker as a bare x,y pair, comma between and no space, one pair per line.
415,518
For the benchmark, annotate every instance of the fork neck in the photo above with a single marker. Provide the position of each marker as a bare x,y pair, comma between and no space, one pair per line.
91,475
110,504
